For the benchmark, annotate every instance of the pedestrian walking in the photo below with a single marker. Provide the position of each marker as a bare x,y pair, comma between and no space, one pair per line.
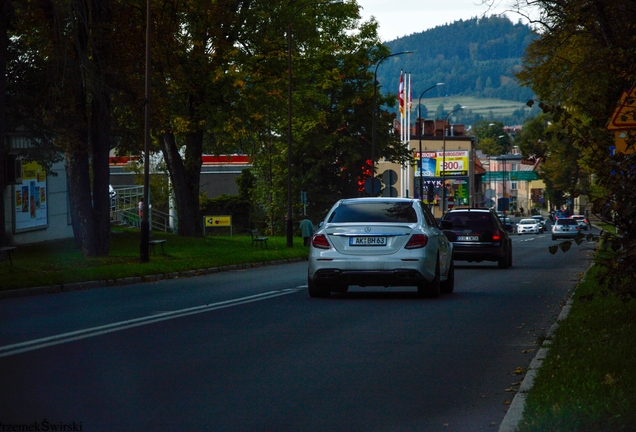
306,230
140,211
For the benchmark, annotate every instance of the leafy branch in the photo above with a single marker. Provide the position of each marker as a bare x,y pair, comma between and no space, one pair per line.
613,202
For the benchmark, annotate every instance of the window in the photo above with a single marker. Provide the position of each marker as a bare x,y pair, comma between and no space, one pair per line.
513,185
374,212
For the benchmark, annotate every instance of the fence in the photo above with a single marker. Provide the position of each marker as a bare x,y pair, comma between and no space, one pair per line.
124,210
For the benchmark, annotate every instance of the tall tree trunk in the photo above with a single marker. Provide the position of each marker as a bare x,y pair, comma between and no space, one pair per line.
100,140
77,153
4,43
82,218
101,124
185,176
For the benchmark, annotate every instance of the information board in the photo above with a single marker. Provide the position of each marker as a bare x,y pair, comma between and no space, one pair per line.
30,198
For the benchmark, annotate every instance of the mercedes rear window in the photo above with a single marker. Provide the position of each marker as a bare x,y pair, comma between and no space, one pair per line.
374,212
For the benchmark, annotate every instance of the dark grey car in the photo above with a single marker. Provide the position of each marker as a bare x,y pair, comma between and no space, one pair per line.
478,235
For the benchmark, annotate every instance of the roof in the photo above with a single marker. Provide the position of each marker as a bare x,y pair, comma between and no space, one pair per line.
479,167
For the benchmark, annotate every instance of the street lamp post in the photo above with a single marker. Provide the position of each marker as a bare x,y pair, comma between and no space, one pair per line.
503,178
373,127
144,225
290,224
444,161
419,116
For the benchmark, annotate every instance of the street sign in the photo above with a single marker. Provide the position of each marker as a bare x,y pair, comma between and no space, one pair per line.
389,191
217,222
376,185
624,116
503,204
389,177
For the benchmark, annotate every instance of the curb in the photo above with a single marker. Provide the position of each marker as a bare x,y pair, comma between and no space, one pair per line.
514,415
81,286
510,422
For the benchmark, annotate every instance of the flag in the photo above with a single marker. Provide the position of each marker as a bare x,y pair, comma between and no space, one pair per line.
401,94
410,95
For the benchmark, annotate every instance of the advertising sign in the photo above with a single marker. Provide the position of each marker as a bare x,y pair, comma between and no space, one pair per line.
30,198
429,163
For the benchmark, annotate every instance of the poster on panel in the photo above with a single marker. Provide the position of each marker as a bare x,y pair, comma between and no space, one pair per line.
428,170
30,198
429,163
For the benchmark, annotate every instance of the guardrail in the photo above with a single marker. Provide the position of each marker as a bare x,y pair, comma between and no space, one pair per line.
124,211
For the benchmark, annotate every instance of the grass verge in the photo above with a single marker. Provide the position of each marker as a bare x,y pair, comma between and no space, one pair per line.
588,380
59,262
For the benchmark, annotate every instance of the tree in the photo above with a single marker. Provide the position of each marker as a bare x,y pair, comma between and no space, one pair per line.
6,11
532,141
580,91
491,138
332,112
440,113
64,51
561,172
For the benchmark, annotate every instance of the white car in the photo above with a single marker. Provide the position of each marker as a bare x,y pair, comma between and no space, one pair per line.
530,226
380,242
582,221
565,228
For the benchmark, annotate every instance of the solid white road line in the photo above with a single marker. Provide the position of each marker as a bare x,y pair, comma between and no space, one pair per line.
31,345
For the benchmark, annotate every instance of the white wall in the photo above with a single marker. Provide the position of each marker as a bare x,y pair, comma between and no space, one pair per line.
57,206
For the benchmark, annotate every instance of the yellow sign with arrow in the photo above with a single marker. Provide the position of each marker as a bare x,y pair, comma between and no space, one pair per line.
218,221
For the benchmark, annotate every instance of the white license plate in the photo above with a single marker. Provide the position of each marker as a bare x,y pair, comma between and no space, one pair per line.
467,238
367,241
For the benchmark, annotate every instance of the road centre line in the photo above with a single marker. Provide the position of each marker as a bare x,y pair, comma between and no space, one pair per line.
35,344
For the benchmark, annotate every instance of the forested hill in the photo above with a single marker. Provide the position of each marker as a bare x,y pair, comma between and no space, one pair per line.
476,57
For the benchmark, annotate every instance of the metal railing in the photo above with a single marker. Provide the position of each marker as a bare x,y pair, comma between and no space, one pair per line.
124,210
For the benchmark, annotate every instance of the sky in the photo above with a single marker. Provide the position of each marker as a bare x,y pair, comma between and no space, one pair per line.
399,18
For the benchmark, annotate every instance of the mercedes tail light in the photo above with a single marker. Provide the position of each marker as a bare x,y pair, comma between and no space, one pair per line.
417,241
320,241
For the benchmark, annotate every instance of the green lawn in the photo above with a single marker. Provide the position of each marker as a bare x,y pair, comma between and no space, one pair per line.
588,380
58,262
483,106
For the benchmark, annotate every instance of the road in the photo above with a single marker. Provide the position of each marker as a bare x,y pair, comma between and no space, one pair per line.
250,350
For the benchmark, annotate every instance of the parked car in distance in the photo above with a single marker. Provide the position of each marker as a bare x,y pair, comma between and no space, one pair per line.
565,228
582,221
478,235
528,226
541,220
507,223
380,242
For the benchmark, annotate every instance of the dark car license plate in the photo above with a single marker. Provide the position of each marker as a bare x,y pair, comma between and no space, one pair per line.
467,238
367,241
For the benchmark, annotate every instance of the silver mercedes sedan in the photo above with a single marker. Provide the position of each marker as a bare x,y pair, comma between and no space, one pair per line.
380,242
